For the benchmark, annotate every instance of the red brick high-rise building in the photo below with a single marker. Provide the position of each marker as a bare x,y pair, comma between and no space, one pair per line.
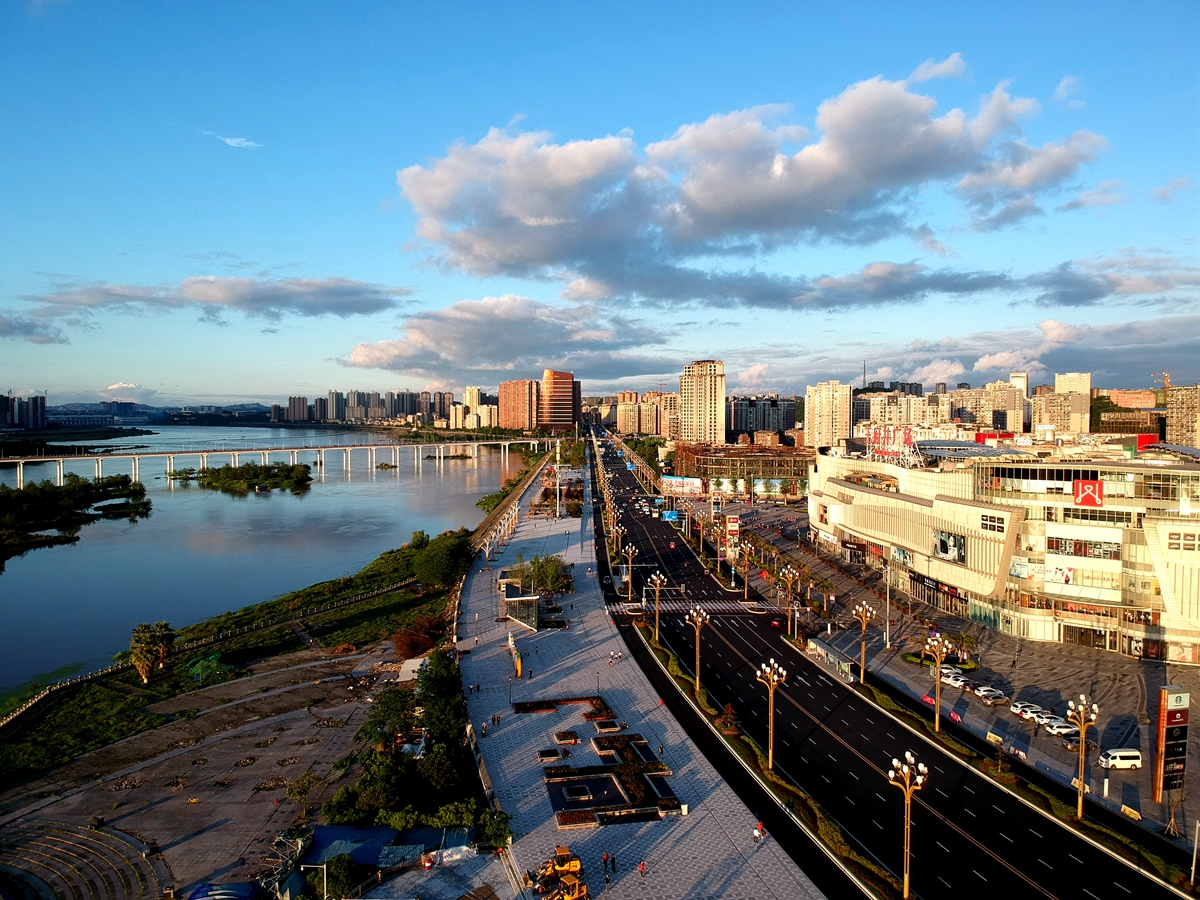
519,404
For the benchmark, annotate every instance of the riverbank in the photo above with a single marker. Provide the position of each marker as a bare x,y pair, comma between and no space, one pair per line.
27,513
403,586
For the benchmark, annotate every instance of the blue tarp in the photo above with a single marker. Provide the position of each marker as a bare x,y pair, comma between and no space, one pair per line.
361,844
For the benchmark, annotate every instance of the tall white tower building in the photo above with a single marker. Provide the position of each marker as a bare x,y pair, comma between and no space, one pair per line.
827,409
702,402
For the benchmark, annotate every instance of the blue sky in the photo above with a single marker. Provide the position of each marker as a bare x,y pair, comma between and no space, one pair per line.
214,202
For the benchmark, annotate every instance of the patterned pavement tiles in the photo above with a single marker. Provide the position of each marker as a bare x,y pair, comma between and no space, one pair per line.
706,854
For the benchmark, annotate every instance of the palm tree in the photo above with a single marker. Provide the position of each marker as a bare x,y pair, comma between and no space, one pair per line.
143,650
964,643
164,640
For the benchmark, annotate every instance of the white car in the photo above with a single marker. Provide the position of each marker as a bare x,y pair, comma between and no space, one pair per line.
1030,712
1046,716
951,670
1019,707
1063,728
953,680
989,695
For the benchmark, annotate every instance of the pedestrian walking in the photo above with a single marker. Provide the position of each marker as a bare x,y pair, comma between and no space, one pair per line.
610,662
476,617
757,836
483,729
476,640
605,860
642,868
613,862
535,649
660,751
607,882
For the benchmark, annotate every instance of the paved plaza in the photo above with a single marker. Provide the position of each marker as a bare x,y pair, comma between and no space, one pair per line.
1048,674
707,853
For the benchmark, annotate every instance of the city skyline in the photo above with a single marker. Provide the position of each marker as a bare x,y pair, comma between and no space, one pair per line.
943,209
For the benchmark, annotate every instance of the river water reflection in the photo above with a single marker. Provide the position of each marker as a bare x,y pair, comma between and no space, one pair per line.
201,552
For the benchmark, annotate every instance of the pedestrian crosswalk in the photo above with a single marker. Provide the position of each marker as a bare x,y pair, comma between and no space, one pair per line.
682,606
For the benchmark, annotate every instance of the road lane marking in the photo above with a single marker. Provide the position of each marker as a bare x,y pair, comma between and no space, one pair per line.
851,802
1122,887
973,814
943,846
981,878
1035,834
880,796
1005,836
877,825
995,807
1076,858
943,793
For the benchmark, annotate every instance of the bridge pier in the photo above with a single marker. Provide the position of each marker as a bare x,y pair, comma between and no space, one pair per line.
135,468
294,457
99,468
20,474
371,458
346,460
204,460
266,455
236,458
58,473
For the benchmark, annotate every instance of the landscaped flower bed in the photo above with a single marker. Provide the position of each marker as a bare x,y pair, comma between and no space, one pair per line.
531,706
576,818
566,737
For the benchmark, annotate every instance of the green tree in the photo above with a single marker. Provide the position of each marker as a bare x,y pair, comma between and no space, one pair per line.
164,641
392,713
494,825
298,791
420,540
143,650
438,770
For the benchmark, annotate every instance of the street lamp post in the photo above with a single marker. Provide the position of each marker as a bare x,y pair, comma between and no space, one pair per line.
657,581
939,648
789,574
1081,715
629,552
864,613
909,776
887,616
772,675
617,533
697,618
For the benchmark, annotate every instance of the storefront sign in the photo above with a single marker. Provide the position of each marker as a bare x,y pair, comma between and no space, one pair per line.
680,486
1088,493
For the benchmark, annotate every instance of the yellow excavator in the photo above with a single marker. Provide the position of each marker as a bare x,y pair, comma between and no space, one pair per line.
564,861
550,875
570,888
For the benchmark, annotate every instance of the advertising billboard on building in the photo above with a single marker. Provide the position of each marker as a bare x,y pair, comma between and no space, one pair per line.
680,486
772,487
949,546
727,486
1088,493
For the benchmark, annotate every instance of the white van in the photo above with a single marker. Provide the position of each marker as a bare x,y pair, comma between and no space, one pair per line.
1121,759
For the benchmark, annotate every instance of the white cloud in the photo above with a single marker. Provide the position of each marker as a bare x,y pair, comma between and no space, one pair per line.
1066,88
212,296
498,338
1105,194
752,378
950,67
612,221
127,392
1173,187
937,370
238,142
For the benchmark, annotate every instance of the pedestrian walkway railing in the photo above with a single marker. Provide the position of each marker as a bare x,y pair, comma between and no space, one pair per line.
199,643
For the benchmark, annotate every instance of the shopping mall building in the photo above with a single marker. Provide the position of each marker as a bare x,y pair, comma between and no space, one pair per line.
1101,552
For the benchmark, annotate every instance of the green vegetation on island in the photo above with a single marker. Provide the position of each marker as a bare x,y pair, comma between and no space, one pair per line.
488,502
27,513
243,479
412,581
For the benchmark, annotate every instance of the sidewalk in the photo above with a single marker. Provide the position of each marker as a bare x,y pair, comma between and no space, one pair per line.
1044,673
706,854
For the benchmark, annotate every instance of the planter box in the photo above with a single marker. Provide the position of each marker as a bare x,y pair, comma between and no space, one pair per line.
584,818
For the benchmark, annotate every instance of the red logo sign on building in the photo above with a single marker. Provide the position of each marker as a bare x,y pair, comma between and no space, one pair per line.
1089,493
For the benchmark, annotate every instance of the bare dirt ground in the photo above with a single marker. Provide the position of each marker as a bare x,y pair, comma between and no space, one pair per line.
210,790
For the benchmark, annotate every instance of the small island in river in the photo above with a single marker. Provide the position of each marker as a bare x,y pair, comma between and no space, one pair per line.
250,477
26,514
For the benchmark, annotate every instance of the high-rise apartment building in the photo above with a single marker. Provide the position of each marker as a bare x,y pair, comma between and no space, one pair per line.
336,403
560,403
702,402
519,404
669,415
320,409
472,397
827,410
297,409
1183,415
1064,413
627,396
1074,383
1020,380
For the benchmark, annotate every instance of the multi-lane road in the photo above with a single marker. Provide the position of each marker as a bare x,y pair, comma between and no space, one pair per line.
969,835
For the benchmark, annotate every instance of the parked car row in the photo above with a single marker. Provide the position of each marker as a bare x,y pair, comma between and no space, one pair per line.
985,692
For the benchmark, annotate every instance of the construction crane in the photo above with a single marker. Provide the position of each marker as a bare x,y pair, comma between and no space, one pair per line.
1164,377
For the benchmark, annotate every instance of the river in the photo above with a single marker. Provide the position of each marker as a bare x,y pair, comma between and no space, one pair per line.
202,553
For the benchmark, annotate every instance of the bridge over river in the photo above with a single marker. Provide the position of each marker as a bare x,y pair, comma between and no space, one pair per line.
375,453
